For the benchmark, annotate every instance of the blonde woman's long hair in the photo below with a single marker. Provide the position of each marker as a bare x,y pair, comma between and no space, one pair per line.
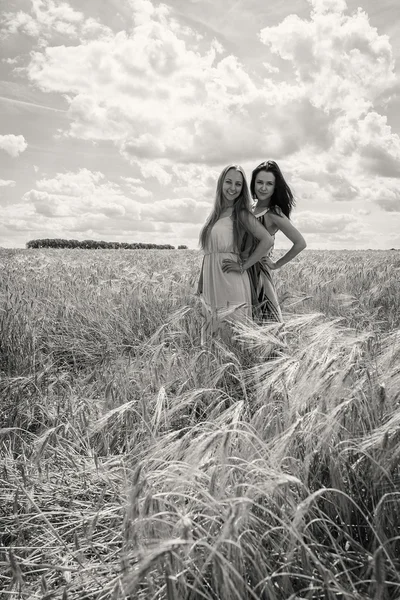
242,205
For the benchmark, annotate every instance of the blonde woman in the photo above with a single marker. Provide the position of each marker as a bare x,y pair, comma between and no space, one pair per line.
224,285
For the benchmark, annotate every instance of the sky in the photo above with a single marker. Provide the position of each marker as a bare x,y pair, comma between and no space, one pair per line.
117,116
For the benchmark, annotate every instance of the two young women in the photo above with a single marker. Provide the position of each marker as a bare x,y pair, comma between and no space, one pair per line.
236,280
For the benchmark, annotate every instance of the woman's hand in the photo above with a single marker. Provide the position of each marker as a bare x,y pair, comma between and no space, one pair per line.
231,266
269,263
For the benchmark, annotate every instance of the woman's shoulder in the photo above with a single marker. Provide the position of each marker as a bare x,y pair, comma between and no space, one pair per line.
245,213
277,211
274,212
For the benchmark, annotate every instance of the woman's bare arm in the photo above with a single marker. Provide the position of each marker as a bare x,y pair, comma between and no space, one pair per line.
293,234
266,241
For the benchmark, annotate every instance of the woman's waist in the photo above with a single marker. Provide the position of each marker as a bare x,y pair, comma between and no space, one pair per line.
217,252
269,253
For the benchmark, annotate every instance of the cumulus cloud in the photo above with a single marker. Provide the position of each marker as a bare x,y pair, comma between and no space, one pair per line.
13,144
312,222
85,204
7,183
140,192
81,183
178,108
131,180
325,180
84,201
49,18
161,98
390,202
344,67
381,191
195,180
326,6
149,169
340,59
80,194
180,210
372,140
157,95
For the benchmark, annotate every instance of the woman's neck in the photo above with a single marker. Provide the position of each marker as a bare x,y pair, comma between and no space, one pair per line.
227,211
262,205
260,208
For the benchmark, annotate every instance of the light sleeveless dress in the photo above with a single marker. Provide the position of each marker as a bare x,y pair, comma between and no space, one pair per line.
225,296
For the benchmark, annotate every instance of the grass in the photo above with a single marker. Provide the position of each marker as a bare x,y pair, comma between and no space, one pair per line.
137,463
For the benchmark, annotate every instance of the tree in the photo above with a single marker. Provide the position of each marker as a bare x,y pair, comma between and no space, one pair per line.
94,244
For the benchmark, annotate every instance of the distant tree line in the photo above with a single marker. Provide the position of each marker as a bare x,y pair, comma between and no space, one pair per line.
93,244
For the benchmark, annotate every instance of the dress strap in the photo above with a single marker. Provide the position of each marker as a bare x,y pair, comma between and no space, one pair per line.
262,213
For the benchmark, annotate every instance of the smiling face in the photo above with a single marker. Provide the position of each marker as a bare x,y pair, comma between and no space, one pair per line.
264,186
232,186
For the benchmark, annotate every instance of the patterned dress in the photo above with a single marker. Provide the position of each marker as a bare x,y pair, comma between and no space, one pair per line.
264,299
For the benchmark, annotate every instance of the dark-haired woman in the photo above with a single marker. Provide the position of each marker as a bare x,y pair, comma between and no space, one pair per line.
274,204
224,285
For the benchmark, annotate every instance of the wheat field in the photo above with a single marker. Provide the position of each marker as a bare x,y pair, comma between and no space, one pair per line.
137,463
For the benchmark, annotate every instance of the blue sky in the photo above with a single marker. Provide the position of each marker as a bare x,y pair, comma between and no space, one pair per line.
117,117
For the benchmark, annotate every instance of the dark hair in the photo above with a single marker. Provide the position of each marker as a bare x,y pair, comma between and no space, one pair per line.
282,198
242,204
